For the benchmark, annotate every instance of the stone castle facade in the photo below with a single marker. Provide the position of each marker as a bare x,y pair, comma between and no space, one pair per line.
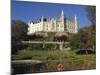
53,25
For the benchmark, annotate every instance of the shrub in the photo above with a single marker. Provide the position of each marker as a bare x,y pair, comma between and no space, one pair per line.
39,46
34,46
25,54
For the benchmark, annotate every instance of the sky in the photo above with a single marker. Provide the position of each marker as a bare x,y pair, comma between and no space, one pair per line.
28,11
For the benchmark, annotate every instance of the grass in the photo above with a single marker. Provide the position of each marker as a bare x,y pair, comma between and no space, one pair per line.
69,59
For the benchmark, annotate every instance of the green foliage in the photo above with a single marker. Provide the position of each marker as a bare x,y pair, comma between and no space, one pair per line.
84,39
40,36
91,13
16,57
49,36
39,46
19,30
69,59
34,46
19,33
61,36
23,54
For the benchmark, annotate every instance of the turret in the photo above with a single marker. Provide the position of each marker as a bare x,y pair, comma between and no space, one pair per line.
62,15
42,23
76,28
62,21
42,18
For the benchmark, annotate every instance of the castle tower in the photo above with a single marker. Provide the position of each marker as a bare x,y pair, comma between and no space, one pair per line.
42,23
62,21
42,19
76,28
62,15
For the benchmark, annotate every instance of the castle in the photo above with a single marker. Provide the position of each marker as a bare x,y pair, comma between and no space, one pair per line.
53,25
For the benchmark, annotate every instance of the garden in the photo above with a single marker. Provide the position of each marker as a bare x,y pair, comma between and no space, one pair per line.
45,51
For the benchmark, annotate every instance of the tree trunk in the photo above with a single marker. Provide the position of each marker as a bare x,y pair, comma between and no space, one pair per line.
61,46
43,44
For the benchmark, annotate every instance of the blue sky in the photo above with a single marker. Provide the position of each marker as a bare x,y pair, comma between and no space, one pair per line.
26,11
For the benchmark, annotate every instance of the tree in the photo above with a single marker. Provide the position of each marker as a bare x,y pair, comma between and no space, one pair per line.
19,33
85,39
41,35
61,37
19,30
91,13
91,42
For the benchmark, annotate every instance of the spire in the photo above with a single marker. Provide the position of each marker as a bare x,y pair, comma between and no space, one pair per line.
42,18
76,28
75,19
62,14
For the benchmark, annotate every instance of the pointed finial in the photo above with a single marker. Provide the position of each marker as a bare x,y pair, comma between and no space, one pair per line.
75,17
42,18
62,12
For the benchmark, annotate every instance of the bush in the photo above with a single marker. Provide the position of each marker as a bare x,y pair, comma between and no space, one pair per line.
39,46
25,54
34,46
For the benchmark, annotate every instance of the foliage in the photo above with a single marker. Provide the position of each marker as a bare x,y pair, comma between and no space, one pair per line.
39,46
61,36
23,54
19,30
19,33
69,59
85,39
91,13
38,36
48,36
